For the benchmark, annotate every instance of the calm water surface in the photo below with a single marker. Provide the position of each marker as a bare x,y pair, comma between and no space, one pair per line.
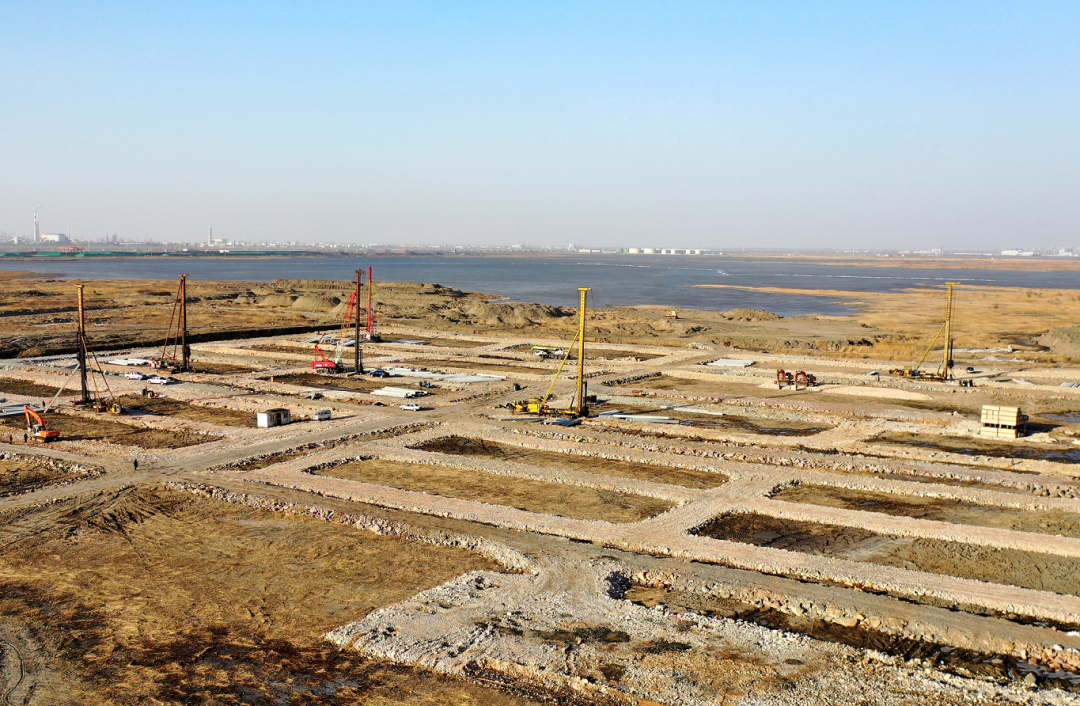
616,281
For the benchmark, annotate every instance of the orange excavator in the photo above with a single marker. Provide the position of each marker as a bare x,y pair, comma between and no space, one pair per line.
35,425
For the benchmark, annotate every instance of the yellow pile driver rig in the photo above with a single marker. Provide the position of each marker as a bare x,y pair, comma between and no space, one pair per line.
943,373
578,406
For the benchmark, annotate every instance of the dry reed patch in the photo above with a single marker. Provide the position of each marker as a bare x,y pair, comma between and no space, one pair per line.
521,493
148,596
983,317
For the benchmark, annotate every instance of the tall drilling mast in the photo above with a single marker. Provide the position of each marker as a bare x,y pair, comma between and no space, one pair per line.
358,361
185,349
371,336
179,317
947,358
582,408
85,396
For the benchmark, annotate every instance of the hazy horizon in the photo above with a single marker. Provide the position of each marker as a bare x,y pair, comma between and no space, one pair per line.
694,125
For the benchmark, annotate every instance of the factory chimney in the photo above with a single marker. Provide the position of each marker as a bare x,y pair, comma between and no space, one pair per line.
37,229
210,237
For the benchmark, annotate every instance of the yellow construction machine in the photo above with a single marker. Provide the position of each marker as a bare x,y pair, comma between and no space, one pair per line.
944,372
578,408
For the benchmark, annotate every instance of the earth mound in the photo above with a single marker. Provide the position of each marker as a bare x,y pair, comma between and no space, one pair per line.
750,315
1062,341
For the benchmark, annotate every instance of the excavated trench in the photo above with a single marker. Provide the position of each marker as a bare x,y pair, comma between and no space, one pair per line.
951,659
1055,522
1013,567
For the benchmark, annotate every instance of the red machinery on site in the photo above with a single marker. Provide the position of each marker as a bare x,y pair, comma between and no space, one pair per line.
35,425
324,364
795,379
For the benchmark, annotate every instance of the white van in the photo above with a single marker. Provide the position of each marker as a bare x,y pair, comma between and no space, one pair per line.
321,416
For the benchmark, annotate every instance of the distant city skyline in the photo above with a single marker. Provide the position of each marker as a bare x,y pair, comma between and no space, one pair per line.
607,125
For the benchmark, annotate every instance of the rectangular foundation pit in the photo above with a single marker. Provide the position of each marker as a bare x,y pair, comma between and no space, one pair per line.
726,422
951,481
328,381
521,493
1055,522
981,447
77,428
955,660
444,365
482,448
168,407
1012,567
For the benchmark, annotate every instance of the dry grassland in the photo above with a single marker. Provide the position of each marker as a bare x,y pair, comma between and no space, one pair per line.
153,597
984,317
523,494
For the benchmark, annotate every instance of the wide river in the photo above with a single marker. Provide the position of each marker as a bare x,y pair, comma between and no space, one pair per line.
616,280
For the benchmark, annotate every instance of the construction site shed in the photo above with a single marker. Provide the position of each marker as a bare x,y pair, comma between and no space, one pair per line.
274,417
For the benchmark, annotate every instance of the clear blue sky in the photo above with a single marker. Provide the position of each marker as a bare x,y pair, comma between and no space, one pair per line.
680,124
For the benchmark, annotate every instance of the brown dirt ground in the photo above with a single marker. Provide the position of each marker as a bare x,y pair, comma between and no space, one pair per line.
286,348
530,495
212,368
176,408
1055,522
1041,572
481,448
18,387
22,476
74,428
155,597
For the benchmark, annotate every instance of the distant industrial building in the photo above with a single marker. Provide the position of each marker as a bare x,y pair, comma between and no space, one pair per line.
53,238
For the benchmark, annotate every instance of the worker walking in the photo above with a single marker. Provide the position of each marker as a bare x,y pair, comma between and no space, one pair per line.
135,464
25,438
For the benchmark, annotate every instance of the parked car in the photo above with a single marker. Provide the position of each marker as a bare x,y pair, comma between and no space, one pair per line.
321,416
970,369
158,380
379,374
134,376
411,407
